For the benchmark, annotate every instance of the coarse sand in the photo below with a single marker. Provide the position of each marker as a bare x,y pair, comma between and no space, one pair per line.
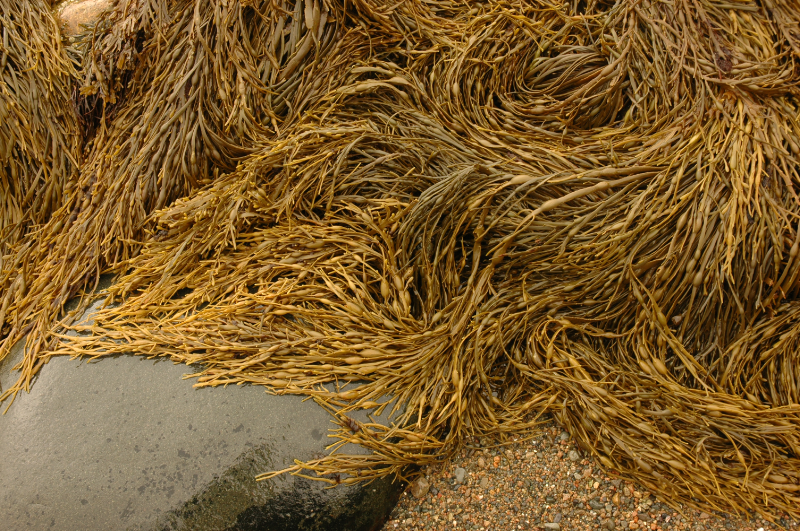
545,483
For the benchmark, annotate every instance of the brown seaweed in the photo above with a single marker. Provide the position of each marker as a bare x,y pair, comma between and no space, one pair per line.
40,138
483,212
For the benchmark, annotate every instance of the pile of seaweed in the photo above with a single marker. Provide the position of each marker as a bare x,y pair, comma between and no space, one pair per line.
40,137
482,211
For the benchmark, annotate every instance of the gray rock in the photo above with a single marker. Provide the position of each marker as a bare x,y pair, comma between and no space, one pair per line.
126,443
460,474
574,456
552,526
557,518
564,436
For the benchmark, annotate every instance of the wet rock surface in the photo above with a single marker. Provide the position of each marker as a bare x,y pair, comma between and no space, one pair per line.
126,443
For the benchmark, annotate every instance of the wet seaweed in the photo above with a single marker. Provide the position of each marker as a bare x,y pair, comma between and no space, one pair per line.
39,135
483,212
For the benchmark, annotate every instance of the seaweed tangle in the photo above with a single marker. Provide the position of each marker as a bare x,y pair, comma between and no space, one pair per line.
40,137
485,212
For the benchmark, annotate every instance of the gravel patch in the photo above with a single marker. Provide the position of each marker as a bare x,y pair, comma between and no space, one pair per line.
540,484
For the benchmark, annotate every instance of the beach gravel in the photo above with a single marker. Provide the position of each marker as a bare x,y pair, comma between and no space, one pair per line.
547,483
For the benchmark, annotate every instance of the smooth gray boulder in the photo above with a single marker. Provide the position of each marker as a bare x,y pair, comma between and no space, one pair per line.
125,443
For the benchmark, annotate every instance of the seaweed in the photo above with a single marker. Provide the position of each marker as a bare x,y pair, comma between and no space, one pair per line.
483,212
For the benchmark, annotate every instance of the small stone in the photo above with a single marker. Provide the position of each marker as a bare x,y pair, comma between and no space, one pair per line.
530,455
615,498
610,525
564,436
557,518
596,505
609,507
574,456
633,525
704,516
553,526
549,499
484,482
481,462
420,487
460,474
578,475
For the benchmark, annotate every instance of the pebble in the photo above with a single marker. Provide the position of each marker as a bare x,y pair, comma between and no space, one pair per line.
553,526
574,456
420,487
564,436
484,482
481,462
596,505
460,474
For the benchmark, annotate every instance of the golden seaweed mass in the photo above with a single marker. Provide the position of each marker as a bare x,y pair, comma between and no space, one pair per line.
485,211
